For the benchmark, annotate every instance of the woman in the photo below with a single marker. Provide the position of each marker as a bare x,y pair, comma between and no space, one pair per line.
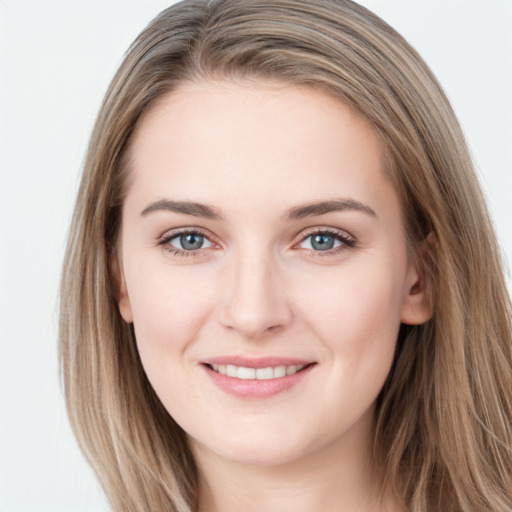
282,289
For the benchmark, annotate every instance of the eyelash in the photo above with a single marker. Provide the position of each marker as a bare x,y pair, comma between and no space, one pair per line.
165,242
347,241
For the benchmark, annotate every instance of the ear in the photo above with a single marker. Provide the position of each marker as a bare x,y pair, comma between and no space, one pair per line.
121,293
417,307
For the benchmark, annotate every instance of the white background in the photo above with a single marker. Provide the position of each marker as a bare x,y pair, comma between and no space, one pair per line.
56,59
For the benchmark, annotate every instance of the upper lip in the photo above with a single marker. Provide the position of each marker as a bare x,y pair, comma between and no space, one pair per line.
256,362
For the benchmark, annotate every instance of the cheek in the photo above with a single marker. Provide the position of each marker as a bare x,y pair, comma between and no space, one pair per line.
169,309
357,322
356,312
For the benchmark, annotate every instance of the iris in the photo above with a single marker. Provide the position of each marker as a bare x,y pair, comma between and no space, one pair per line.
322,242
191,241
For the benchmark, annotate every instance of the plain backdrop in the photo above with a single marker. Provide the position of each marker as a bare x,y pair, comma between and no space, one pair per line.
56,59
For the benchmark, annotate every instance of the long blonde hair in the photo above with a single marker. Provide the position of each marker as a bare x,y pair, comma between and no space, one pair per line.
444,418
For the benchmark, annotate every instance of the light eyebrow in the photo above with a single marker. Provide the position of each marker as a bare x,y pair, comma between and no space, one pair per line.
186,207
323,207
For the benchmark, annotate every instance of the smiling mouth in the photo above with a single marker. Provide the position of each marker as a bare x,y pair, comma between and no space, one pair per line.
247,373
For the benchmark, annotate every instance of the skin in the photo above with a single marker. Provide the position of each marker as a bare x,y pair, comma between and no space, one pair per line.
258,287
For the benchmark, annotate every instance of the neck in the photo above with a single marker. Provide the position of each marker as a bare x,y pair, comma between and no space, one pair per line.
336,478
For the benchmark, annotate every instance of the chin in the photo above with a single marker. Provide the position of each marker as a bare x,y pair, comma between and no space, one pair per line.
274,449
261,456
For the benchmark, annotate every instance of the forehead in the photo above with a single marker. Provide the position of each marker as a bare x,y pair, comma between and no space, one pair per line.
224,140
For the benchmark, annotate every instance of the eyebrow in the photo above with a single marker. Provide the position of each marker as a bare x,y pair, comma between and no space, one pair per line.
186,207
323,207
296,213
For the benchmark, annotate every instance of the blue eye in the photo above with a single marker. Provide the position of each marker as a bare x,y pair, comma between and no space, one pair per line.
188,242
323,241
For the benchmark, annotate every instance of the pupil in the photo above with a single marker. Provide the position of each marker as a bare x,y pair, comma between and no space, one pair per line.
322,242
191,241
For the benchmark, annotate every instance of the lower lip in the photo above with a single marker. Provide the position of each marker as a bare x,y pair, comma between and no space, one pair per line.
254,388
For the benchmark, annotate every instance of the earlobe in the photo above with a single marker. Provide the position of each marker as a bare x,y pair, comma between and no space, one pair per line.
417,307
121,293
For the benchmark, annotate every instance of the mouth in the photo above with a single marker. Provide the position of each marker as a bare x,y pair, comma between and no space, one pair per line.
250,373
249,378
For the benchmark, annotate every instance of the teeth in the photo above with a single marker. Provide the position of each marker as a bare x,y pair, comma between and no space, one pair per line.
246,373
241,372
291,369
279,371
265,373
231,371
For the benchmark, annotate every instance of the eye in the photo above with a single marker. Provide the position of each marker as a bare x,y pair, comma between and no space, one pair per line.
326,241
185,242
190,242
320,242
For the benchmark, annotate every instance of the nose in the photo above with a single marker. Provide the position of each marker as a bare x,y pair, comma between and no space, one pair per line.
255,300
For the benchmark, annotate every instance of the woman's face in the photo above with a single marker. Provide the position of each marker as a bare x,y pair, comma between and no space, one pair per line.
263,264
